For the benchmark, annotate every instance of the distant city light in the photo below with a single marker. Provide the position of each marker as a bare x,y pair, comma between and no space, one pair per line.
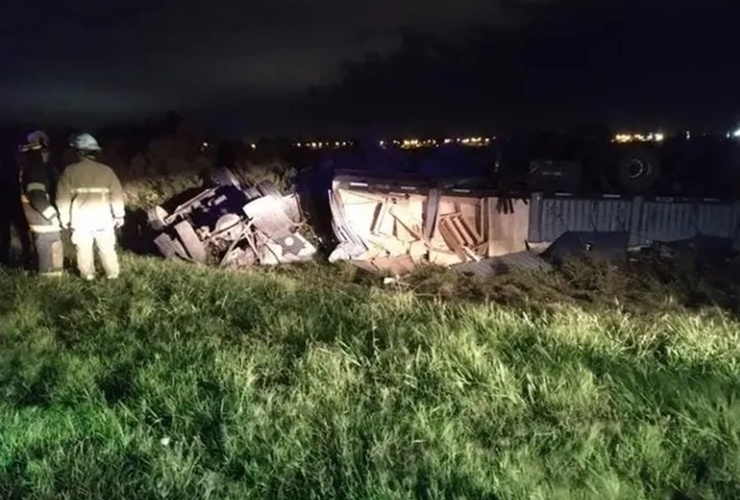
651,137
736,134
408,143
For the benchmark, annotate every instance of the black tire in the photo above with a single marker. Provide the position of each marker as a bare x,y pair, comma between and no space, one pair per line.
169,247
189,239
638,170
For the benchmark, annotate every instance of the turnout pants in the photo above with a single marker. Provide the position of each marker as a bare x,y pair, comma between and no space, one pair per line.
85,241
49,252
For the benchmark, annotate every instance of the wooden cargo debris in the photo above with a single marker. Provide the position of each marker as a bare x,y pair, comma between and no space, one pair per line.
427,226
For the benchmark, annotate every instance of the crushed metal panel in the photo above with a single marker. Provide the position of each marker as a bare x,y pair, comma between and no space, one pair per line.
286,250
550,217
268,216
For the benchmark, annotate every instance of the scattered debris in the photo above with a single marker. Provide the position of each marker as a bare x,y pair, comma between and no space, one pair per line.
232,225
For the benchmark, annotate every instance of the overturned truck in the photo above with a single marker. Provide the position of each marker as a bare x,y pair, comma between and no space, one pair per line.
231,224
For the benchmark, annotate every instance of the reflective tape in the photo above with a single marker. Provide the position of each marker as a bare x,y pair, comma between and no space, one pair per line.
90,191
45,228
35,186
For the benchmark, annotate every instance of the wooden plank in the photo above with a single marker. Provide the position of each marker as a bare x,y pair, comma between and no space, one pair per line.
356,198
470,253
403,229
378,217
469,231
450,215
451,239
408,227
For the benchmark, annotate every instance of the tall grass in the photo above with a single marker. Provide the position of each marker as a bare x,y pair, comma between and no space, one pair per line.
183,382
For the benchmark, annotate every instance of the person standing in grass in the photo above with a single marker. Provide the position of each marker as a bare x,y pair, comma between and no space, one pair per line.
37,180
90,202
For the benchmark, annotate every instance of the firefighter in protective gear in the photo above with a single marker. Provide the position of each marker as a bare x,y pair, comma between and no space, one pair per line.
37,177
90,201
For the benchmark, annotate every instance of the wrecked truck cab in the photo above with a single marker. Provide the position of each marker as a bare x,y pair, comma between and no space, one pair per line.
232,224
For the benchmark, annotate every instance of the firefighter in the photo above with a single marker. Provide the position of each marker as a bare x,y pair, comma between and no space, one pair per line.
11,210
90,201
37,178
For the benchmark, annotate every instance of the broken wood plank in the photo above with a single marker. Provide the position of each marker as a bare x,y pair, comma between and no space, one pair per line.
357,197
470,226
466,236
451,239
408,227
470,253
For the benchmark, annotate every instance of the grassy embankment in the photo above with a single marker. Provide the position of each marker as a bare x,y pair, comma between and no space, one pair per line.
193,383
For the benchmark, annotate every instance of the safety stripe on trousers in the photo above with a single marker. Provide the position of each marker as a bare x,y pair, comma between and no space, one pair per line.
46,228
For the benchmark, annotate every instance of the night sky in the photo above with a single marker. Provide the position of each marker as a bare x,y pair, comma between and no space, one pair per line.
250,65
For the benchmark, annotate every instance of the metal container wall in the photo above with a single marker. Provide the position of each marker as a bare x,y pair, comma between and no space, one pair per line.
671,221
645,220
551,217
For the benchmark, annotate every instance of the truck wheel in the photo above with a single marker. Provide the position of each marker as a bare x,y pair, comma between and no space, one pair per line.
223,176
189,239
638,170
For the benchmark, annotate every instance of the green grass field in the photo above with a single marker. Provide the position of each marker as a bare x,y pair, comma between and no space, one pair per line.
183,382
